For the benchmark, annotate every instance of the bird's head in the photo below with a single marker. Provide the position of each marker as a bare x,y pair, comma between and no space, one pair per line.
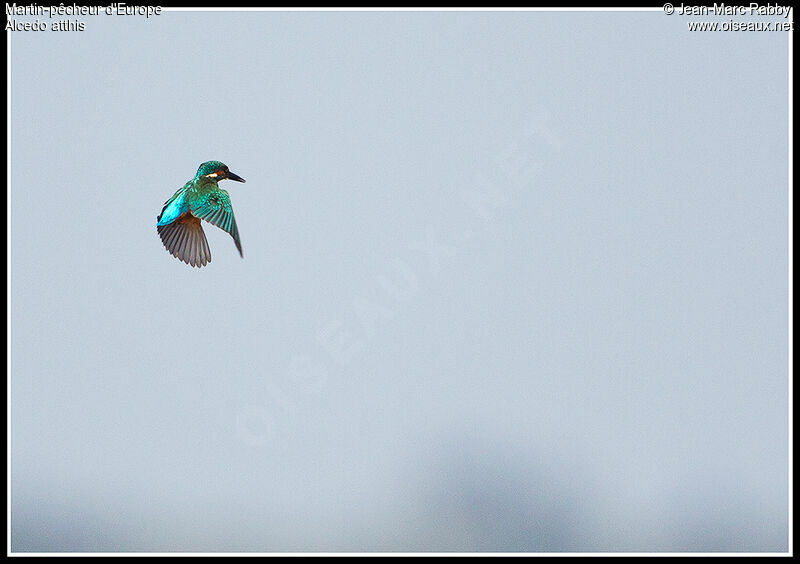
217,171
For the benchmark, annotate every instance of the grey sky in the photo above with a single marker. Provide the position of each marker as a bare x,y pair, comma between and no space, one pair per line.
511,282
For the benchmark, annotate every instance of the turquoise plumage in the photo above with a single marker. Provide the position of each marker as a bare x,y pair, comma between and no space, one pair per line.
179,223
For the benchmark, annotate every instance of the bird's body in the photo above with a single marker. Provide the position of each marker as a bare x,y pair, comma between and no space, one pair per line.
179,224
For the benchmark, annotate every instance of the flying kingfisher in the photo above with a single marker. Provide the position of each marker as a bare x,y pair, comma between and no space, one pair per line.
201,198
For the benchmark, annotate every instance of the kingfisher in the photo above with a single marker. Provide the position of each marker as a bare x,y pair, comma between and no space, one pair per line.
201,198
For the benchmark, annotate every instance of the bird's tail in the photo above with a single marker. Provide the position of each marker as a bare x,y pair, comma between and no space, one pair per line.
184,239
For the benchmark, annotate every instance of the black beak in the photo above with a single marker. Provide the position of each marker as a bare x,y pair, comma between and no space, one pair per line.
231,176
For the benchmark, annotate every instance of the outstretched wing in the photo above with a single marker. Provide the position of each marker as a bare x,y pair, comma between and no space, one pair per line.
215,208
185,240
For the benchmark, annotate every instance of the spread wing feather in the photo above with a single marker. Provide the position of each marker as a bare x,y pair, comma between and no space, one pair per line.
184,239
216,209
